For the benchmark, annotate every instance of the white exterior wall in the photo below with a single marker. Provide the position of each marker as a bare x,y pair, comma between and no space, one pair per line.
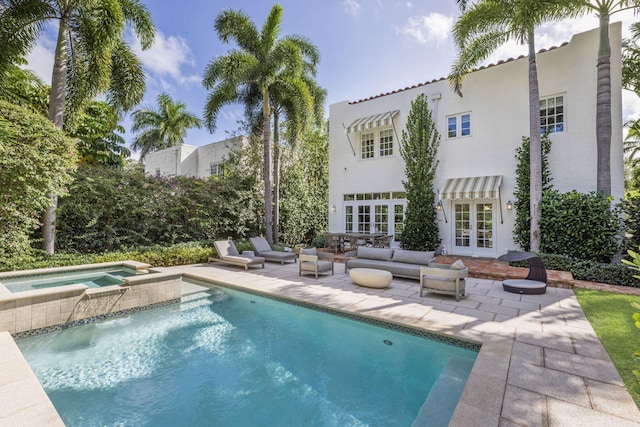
215,153
175,161
497,98
188,160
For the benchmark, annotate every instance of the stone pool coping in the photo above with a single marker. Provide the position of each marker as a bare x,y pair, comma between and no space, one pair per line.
540,363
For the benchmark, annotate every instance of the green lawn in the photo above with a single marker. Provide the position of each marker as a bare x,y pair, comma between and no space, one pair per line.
610,315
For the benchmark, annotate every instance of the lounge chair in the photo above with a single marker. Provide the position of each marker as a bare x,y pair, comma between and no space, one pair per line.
228,254
444,279
263,249
312,261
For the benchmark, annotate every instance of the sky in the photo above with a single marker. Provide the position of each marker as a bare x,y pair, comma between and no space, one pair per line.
367,47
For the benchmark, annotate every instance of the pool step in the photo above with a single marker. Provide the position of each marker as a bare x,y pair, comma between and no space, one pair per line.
444,395
204,296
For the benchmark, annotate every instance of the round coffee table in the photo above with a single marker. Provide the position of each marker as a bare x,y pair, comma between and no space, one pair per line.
370,277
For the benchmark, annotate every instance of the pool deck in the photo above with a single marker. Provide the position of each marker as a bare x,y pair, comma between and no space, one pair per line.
541,363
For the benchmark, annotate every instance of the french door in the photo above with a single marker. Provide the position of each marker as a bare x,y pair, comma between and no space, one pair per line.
375,217
474,228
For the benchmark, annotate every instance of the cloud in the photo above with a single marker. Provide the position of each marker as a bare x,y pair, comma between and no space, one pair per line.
434,27
166,58
40,59
351,6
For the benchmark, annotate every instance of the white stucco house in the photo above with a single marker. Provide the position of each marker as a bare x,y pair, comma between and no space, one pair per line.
479,135
189,160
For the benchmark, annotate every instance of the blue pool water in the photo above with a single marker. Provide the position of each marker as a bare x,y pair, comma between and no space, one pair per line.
227,358
91,278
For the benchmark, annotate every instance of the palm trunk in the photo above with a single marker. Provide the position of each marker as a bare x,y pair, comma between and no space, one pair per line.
535,148
266,137
56,115
276,175
603,109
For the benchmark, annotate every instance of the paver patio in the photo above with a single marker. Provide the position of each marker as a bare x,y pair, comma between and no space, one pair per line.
540,364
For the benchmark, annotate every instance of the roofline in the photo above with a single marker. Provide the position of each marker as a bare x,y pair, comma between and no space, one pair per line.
501,62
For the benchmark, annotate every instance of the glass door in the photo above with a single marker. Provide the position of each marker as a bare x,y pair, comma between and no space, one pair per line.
473,228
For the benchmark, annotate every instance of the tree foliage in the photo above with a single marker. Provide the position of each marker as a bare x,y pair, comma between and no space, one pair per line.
98,135
91,58
521,231
36,160
22,87
262,61
305,189
163,127
419,148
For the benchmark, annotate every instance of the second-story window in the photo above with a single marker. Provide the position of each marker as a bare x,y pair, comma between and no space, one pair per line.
386,142
367,147
459,125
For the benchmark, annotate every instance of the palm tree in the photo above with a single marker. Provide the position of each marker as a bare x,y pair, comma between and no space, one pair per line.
165,127
300,104
604,9
480,30
260,61
300,112
91,57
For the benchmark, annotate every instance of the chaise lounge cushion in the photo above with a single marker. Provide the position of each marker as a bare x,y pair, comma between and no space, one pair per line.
263,249
228,253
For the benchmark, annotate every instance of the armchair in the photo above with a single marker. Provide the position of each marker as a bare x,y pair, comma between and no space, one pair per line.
312,261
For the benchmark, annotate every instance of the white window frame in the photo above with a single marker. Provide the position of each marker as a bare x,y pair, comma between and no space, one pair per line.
385,138
379,143
367,145
216,169
544,119
458,130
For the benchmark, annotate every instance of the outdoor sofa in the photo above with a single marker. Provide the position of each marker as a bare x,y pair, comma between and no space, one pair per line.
399,262
228,254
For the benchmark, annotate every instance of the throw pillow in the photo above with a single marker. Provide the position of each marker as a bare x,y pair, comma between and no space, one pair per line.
458,265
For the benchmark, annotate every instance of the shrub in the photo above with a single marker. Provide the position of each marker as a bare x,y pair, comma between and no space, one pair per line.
36,160
156,256
108,209
589,270
579,225
630,206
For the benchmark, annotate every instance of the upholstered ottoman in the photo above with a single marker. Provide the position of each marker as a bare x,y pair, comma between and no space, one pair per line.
370,277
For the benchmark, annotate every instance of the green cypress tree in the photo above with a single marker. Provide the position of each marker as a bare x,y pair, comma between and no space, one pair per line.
419,147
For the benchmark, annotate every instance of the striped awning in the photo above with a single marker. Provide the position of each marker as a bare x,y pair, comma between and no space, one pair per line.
372,122
479,187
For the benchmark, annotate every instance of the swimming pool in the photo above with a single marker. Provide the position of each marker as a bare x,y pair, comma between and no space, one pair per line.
91,278
227,358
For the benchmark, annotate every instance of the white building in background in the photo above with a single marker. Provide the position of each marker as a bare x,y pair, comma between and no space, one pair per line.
188,160
479,136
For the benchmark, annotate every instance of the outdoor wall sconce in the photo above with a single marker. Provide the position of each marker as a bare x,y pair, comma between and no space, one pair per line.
509,206
333,209
440,208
